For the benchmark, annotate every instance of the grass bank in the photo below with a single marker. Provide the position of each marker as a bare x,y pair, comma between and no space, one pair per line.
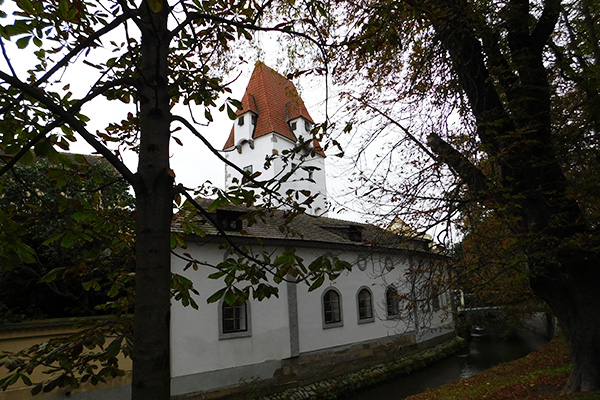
539,376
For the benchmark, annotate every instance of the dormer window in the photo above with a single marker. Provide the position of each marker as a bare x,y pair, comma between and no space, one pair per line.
229,220
348,232
293,125
241,120
355,234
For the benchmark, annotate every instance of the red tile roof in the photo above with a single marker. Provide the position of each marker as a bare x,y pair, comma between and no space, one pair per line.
276,101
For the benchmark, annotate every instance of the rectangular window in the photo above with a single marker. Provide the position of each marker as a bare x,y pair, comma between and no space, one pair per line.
234,318
241,120
332,308
435,302
365,308
391,300
229,220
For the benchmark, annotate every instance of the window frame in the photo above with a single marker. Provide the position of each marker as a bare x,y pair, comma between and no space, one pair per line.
234,334
396,313
370,318
332,324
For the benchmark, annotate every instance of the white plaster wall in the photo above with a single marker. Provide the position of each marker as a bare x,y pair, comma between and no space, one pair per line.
195,333
314,337
249,156
195,344
243,132
268,145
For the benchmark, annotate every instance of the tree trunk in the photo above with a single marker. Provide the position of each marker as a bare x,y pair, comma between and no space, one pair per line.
572,293
154,191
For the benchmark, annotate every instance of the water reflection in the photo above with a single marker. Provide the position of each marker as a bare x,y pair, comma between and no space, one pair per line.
483,352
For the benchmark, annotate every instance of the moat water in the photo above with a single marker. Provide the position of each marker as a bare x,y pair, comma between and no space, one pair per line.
485,350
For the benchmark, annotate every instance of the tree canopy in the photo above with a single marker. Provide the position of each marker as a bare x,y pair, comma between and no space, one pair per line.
488,112
147,56
77,227
496,102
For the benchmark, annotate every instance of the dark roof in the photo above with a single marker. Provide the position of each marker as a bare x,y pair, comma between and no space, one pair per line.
276,101
309,230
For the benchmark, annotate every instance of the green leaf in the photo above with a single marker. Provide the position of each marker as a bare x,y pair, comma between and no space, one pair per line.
114,347
208,115
231,113
155,5
36,389
42,148
27,158
216,296
63,7
23,42
317,283
230,297
68,240
27,6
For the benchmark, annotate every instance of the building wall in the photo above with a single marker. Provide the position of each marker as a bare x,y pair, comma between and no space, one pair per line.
376,277
276,144
20,336
195,343
201,361
196,346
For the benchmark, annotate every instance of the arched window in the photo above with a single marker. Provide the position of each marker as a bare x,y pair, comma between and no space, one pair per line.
234,320
332,308
364,300
391,302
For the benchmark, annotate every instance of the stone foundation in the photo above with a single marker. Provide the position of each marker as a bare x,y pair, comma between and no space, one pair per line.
331,373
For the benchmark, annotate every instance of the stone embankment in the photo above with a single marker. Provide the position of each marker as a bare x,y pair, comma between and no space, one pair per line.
344,384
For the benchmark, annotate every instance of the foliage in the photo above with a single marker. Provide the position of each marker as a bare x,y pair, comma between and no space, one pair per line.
491,269
540,375
78,230
89,355
486,109
147,56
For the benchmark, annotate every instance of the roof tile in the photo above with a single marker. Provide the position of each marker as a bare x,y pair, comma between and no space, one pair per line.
276,101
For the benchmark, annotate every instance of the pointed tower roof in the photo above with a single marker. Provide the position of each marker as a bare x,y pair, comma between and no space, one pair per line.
275,100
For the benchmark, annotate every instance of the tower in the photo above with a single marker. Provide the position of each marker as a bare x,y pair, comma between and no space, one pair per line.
273,119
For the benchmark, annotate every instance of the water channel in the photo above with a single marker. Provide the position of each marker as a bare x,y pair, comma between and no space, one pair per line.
484,351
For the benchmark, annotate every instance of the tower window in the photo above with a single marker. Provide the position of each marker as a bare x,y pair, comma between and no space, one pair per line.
241,120
254,120
307,126
293,126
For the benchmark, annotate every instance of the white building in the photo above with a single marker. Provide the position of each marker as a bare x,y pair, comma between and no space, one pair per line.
272,121
300,336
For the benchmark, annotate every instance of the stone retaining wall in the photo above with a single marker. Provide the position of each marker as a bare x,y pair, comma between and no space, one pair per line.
344,384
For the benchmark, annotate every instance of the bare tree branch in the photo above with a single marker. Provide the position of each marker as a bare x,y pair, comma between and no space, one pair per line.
70,118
